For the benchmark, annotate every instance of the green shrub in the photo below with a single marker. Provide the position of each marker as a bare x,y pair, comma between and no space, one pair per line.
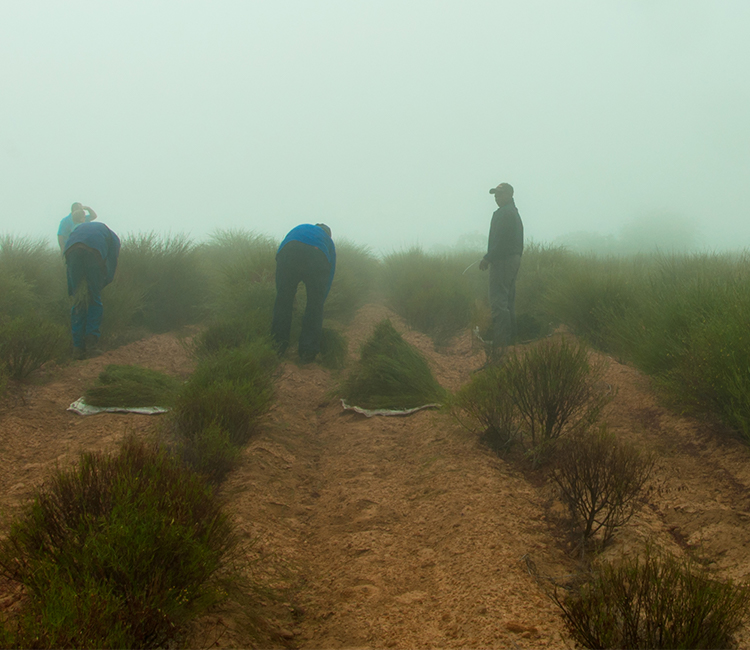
485,406
589,293
38,274
555,388
166,271
116,552
430,292
210,452
357,273
657,601
131,386
239,267
391,374
243,326
333,348
541,266
231,389
28,342
599,480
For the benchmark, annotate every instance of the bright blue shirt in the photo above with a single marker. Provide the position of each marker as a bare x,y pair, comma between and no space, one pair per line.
67,226
312,235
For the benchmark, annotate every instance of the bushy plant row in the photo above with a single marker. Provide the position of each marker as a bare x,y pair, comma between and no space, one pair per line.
680,318
163,282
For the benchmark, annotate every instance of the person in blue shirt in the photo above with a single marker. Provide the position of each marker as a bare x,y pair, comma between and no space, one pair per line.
307,255
67,224
91,253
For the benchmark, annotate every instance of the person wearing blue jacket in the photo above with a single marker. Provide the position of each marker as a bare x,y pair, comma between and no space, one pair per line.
307,255
91,253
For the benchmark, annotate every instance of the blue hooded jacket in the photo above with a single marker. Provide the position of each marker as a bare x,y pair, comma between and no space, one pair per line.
312,235
96,235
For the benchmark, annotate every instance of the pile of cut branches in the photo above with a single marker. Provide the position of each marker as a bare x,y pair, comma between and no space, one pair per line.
391,374
132,386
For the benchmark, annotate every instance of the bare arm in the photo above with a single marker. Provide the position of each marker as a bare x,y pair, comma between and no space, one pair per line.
61,241
92,214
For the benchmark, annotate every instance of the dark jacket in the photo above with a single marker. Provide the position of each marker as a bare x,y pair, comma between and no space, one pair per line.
506,233
97,236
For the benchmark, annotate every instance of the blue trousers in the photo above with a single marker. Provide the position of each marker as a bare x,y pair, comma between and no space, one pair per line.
295,263
86,315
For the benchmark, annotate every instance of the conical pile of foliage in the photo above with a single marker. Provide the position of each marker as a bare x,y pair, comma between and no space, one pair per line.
132,386
391,374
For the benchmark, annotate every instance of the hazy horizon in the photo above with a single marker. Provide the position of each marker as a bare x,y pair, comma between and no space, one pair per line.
388,121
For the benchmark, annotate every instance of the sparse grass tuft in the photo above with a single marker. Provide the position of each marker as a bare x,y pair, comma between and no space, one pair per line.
116,552
131,386
391,374
657,601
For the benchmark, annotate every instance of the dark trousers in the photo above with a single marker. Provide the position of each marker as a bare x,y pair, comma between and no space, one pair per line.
84,263
503,275
295,263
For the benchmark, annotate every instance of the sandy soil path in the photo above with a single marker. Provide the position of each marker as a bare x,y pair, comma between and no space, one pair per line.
402,532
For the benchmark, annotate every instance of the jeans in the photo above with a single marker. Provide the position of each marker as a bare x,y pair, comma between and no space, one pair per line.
86,315
295,263
503,275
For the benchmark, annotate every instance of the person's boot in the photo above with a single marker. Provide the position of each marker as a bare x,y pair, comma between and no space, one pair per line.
92,346
79,352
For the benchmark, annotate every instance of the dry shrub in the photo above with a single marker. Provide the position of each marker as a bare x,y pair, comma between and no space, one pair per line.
657,601
599,479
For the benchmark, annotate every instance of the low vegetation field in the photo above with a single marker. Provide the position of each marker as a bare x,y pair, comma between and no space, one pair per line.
591,489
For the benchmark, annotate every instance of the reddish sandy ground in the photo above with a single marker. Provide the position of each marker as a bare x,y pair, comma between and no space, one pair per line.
400,532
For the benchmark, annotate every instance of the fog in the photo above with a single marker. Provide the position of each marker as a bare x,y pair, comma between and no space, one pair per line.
387,120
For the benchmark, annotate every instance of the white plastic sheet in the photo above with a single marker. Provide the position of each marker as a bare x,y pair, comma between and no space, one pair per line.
80,407
370,412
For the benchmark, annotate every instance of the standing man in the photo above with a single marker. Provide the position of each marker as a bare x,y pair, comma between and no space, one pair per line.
67,224
504,249
307,255
91,254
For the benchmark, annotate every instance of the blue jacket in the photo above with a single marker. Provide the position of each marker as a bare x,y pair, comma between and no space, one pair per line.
96,235
313,236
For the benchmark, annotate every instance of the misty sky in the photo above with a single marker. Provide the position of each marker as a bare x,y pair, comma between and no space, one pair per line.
388,120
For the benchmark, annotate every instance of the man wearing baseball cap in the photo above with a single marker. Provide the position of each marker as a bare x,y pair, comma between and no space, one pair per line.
503,258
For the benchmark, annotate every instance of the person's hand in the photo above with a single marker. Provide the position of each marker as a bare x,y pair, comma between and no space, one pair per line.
483,265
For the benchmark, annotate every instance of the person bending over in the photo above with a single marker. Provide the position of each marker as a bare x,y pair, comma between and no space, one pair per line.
307,255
